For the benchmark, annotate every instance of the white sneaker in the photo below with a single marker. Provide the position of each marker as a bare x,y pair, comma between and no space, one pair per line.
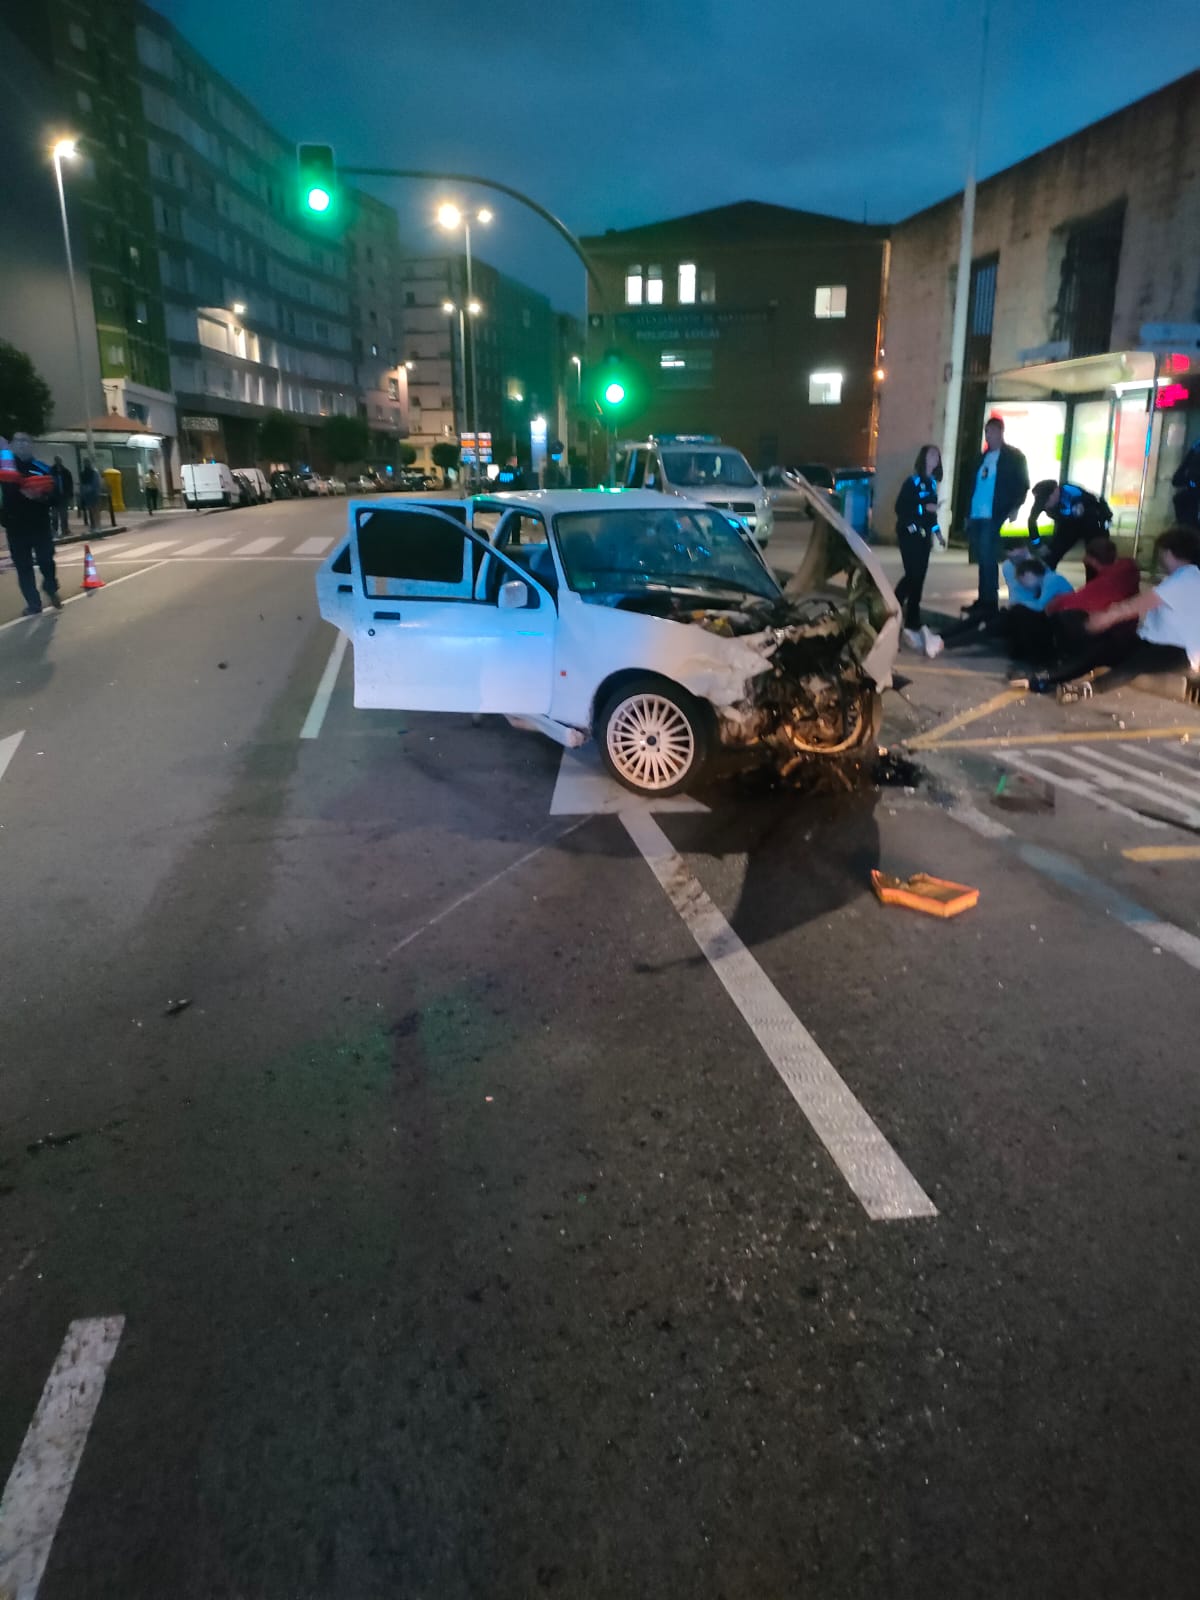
934,643
913,640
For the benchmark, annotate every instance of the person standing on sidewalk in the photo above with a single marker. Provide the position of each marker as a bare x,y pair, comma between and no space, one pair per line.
26,497
917,527
64,489
1000,484
150,485
89,495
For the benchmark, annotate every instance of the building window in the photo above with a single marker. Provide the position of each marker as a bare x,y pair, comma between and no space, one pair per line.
633,286
374,349
825,388
140,312
393,388
84,99
135,256
687,283
77,36
1087,290
830,301
108,299
654,286
708,287
686,369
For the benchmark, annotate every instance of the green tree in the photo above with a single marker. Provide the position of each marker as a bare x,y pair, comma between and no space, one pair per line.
26,403
345,439
445,455
406,455
278,437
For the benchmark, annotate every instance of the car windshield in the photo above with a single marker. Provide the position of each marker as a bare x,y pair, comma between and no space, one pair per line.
608,551
707,469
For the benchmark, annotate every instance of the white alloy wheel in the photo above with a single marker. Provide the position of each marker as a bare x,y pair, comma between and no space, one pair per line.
654,741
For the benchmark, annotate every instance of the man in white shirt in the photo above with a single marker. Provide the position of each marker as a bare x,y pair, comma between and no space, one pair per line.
999,487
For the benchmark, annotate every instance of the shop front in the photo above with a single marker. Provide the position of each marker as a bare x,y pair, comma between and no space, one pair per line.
1107,423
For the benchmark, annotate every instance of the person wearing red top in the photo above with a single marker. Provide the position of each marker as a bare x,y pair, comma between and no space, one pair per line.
1110,578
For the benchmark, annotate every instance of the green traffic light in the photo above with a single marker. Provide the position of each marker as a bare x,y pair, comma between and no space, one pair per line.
614,394
319,199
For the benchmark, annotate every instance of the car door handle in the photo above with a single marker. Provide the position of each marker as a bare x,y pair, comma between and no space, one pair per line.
345,588
387,616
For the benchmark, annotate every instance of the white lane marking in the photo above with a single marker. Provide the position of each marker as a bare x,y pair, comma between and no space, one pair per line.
259,547
1177,763
8,749
887,1189
1091,788
1148,781
202,547
320,701
583,787
313,547
979,821
145,549
1168,937
35,1495
89,594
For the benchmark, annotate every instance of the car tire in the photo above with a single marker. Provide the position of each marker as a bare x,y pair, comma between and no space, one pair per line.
654,737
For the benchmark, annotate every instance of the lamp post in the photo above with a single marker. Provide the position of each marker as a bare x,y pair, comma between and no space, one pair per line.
450,217
66,150
450,307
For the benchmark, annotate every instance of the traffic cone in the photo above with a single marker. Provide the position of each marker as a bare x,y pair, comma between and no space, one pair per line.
91,578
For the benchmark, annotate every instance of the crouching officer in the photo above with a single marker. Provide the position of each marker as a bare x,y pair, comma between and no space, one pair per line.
1076,513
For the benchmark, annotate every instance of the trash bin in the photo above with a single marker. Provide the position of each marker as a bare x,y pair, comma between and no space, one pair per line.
857,491
116,493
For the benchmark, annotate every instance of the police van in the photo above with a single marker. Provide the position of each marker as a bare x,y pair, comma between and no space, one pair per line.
698,467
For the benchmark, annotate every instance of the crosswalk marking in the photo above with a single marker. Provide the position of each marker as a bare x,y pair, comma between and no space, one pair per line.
204,546
313,547
1135,784
145,549
259,547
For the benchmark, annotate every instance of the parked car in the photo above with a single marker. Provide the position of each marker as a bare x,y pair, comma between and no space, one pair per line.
208,483
413,478
311,484
655,627
335,485
699,468
245,490
283,485
365,483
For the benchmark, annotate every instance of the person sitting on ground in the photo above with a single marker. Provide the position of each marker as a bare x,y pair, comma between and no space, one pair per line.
1166,619
1020,625
1076,513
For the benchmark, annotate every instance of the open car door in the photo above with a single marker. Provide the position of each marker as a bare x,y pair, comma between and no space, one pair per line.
439,620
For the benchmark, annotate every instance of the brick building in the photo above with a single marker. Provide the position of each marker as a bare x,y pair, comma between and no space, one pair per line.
1075,249
751,321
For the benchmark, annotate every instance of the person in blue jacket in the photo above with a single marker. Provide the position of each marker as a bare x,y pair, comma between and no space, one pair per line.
917,526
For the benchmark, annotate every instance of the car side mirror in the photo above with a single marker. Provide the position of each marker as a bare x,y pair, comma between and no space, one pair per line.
514,595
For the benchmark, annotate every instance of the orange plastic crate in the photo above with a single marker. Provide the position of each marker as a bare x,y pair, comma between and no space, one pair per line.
937,897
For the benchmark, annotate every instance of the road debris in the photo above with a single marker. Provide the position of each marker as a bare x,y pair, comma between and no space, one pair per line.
937,897
174,1007
53,1141
1019,792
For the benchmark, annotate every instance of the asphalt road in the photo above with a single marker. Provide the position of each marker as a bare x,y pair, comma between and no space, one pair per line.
467,1240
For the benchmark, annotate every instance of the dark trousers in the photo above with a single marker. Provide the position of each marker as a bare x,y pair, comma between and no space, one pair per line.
1028,635
1122,651
914,552
151,501
25,549
91,513
60,515
1066,538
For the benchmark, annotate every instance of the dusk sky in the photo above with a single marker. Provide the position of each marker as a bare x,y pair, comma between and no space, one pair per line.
616,112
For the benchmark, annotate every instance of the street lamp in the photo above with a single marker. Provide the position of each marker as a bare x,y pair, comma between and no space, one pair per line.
239,308
452,218
450,307
66,150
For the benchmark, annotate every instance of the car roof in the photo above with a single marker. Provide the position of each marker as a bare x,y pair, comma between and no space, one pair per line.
560,500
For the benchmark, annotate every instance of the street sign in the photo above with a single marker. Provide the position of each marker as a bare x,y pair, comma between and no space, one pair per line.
1170,338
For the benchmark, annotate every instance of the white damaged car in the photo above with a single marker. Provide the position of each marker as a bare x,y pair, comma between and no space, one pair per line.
652,625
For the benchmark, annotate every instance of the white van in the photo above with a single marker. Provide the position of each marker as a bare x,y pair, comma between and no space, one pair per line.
698,467
208,483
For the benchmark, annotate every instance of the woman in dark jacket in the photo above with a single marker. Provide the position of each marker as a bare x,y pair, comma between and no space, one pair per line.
916,529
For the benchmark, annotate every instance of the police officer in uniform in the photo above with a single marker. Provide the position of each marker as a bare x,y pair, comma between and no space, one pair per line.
1076,513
